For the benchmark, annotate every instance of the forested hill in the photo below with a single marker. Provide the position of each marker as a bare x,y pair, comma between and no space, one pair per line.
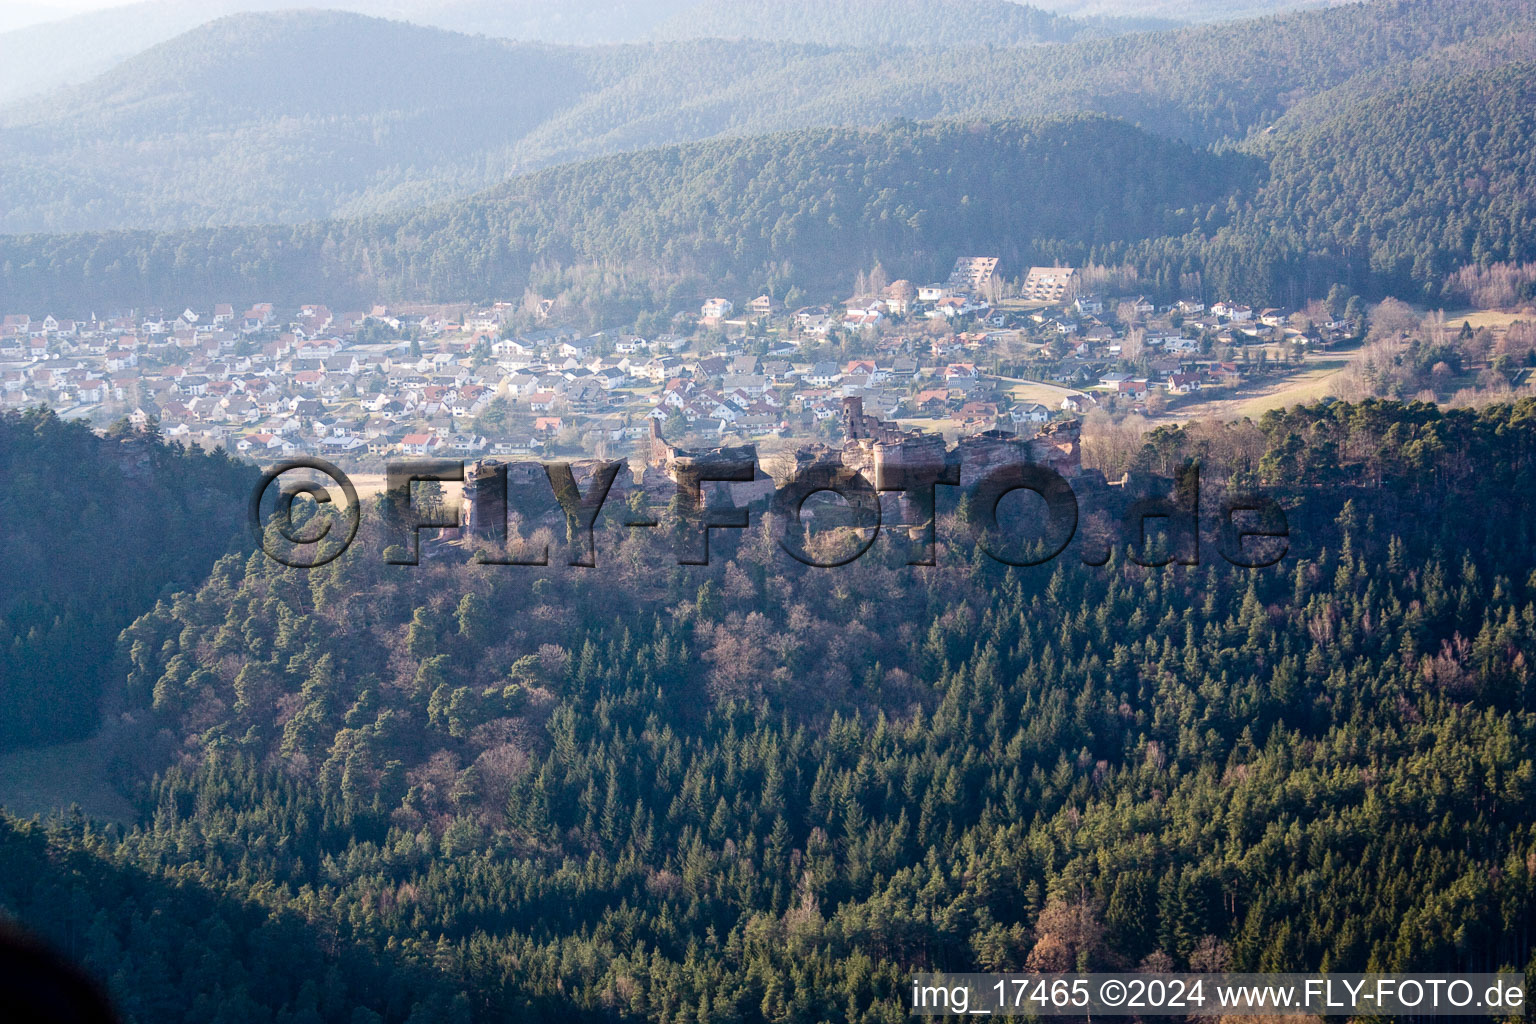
926,23
1388,196
99,528
807,207
311,64
287,117
280,117
1186,10
69,51
761,793
1413,183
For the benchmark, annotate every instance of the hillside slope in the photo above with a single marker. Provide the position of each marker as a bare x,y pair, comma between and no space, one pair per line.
1387,197
1185,10
1412,183
102,527
72,50
296,116
68,51
735,792
272,117
928,23
817,205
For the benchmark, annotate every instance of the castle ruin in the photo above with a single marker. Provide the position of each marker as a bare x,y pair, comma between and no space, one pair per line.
892,458
889,455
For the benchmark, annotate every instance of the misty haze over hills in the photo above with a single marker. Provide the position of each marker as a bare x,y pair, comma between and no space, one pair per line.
1184,10
40,51
1363,198
283,117
68,51
1282,266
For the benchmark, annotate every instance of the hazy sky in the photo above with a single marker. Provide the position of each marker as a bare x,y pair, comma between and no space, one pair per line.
44,10
16,13
67,6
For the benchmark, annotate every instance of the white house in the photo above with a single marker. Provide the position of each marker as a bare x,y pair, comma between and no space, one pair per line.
1034,412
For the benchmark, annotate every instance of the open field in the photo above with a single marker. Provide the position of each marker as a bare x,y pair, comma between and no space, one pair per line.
45,779
1049,395
930,425
1492,319
372,484
1313,380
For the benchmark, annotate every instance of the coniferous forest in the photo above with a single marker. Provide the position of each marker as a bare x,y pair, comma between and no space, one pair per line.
757,791
98,527
1384,146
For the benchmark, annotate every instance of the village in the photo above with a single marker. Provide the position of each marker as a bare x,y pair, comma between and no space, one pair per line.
962,357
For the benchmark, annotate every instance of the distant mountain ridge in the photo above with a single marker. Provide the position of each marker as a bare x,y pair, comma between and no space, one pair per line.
1412,182
306,115
890,23
808,206
41,57
1185,10
1388,197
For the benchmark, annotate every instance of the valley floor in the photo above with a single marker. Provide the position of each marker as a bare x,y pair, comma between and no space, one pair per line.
1314,379
40,780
